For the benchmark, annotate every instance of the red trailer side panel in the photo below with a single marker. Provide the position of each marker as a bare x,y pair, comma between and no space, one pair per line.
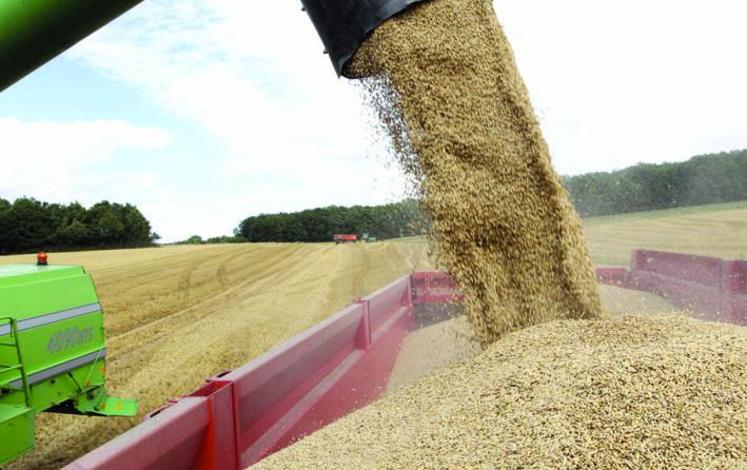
237,418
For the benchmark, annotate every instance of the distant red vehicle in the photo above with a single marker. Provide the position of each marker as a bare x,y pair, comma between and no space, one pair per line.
345,238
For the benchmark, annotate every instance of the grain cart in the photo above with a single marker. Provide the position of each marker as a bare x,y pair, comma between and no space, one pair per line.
52,351
344,238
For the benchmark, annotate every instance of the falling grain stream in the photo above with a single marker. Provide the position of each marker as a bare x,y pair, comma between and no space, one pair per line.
442,79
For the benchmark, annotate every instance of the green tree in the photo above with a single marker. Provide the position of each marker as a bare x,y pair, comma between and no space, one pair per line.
704,179
194,240
30,225
74,234
320,224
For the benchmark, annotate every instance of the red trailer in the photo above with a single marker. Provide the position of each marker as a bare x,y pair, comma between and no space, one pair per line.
344,363
239,417
345,238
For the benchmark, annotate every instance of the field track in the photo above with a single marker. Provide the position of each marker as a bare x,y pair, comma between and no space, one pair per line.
715,230
177,315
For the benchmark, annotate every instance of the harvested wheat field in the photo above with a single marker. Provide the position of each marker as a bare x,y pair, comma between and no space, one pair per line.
638,391
177,315
712,230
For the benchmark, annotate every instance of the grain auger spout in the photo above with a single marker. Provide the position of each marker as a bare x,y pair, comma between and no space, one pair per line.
344,25
52,351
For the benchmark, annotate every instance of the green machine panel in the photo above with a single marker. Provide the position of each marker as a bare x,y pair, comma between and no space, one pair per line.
52,351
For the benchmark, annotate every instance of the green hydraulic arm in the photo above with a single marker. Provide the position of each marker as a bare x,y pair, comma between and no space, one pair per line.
32,32
14,343
16,420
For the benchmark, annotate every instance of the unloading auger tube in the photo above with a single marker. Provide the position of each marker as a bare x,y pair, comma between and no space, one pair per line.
33,32
343,25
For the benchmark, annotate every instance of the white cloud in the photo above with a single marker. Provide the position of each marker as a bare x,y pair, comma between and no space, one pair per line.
613,83
72,161
254,76
617,83
59,161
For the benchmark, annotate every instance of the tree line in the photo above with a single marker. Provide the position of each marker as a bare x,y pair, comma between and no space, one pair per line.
28,225
319,225
705,179
198,240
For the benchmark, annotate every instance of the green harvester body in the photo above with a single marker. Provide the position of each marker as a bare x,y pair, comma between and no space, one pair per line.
52,351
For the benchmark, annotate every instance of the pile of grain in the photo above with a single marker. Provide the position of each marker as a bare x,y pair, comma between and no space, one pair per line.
432,348
620,301
663,391
447,90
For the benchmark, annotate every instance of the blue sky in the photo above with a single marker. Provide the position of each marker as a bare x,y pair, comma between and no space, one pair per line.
203,112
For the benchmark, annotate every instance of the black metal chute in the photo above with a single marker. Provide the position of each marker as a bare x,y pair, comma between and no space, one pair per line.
343,25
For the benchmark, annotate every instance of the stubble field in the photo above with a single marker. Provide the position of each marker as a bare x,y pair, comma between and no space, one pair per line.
713,230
